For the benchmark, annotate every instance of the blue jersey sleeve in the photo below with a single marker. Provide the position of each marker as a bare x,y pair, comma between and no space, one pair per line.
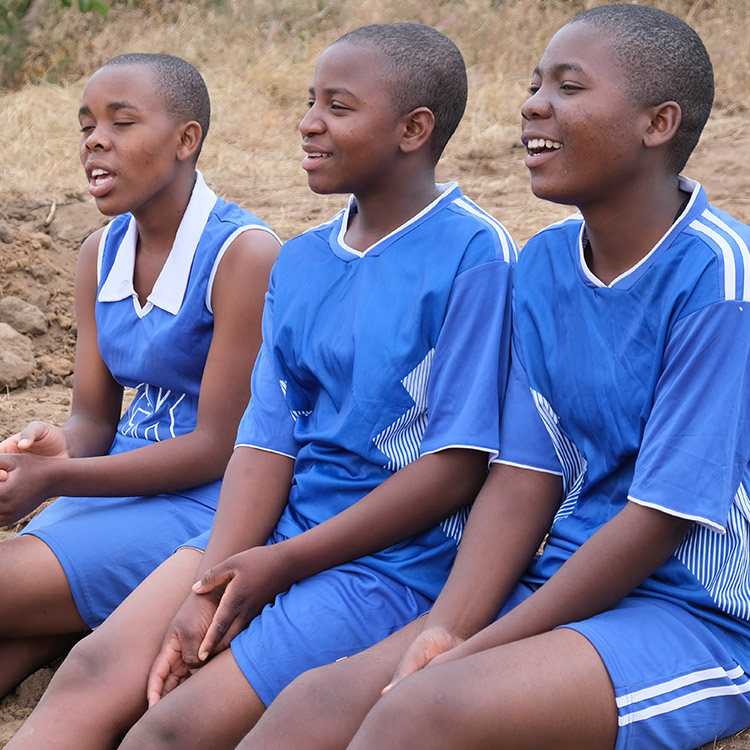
696,443
267,422
524,438
471,362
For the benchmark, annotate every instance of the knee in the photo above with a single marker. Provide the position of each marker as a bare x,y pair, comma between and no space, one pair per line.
90,664
413,714
156,730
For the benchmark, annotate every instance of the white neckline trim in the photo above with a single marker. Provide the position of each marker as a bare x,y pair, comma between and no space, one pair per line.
169,289
685,184
444,188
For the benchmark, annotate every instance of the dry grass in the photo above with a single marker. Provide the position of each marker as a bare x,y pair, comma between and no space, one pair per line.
258,58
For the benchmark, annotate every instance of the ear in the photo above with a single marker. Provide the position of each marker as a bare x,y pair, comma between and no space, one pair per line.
665,118
418,127
190,138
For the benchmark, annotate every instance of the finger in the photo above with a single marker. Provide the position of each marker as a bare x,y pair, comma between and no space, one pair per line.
160,670
409,664
224,625
213,577
30,434
10,445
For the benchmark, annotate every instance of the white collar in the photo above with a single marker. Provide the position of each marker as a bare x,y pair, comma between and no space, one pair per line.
169,289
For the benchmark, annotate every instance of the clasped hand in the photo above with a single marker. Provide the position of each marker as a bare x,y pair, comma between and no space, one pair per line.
25,471
221,604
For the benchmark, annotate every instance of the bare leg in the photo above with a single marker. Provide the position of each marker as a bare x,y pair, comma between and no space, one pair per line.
213,708
100,689
550,692
21,657
39,620
323,708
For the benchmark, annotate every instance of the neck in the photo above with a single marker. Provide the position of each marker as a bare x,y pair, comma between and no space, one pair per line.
621,235
381,213
159,219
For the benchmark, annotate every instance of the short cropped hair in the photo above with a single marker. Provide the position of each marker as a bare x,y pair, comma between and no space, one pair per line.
665,60
426,70
179,84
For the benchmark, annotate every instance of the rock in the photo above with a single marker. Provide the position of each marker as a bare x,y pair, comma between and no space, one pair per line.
59,367
23,316
16,357
6,235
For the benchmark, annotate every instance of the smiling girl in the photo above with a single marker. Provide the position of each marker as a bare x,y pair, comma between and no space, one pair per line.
168,302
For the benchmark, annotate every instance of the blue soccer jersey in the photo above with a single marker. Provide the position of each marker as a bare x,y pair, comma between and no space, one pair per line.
640,391
371,359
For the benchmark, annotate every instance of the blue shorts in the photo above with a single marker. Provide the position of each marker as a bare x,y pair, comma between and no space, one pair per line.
108,545
336,613
676,685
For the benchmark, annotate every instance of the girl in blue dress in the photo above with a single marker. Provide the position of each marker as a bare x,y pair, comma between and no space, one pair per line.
168,303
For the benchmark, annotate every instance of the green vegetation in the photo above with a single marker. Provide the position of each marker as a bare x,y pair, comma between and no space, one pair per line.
17,20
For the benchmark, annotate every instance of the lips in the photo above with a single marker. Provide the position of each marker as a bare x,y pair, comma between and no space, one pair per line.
100,182
314,157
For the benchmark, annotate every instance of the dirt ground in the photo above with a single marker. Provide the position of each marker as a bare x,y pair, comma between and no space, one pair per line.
38,249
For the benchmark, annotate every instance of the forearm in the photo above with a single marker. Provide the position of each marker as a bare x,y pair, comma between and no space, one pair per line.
613,562
408,503
165,466
253,496
506,527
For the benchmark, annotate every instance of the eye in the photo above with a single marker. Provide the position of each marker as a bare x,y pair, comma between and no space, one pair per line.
534,88
570,88
122,124
86,128
310,103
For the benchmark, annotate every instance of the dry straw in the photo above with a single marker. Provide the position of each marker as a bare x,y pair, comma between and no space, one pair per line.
257,58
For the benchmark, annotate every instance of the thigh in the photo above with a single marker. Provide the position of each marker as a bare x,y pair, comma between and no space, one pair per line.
323,708
677,686
334,614
34,593
551,691
107,546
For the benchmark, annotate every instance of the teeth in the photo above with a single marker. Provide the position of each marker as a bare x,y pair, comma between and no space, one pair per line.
537,143
98,172
316,155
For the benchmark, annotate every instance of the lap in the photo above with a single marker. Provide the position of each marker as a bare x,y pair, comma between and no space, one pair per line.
107,546
321,619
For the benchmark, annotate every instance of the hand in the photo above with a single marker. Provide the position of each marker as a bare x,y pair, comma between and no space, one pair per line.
178,657
431,646
25,482
249,580
39,438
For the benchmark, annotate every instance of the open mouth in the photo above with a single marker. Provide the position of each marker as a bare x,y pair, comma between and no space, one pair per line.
542,145
98,176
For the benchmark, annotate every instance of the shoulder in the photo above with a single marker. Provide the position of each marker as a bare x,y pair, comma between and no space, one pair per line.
722,243
477,224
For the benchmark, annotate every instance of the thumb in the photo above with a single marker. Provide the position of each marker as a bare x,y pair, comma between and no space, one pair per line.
213,577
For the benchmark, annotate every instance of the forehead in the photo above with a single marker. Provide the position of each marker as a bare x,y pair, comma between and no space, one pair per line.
135,85
358,68
585,49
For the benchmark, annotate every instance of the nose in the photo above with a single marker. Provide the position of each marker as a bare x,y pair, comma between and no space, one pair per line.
95,138
311,123
537,105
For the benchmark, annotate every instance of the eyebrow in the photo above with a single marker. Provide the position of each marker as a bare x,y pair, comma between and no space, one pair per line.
112,107
561,68
334,92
